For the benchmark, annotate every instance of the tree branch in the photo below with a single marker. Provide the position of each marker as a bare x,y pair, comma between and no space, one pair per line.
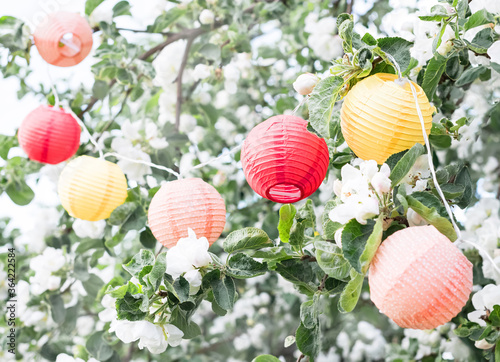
349,6
178,105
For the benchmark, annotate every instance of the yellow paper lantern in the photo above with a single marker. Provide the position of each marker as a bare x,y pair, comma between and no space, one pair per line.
91,188
379,117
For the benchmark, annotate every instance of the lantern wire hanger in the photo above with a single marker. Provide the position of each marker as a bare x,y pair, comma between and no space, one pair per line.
401,81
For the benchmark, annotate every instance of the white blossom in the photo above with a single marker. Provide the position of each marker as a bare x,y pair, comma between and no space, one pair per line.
305,83
134,171
483,344
490,6
207,17
202,71
89,229
484,300
156,338
187,256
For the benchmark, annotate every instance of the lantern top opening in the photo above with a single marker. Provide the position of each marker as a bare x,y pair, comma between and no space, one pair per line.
70,45
285,193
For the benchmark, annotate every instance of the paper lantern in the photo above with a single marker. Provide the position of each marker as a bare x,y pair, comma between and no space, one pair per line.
283,161
91,188
186,203
49,135
419,278
63,39
379,117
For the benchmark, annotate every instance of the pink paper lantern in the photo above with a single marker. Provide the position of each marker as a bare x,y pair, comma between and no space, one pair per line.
283,161
63,39
49,135
186,203
419,278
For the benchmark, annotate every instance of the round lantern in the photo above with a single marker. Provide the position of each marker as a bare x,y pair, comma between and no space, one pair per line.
419,278
91,188
49,135
63,39
379,117
186,203
283,161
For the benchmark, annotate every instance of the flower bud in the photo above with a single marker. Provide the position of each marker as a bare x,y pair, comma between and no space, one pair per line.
305,83
381,183
482,344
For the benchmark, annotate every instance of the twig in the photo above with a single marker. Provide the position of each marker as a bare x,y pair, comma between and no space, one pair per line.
144,31
323,281
349,7
178,105
302,355
131,350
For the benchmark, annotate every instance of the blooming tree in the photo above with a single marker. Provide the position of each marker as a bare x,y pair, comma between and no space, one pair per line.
178,84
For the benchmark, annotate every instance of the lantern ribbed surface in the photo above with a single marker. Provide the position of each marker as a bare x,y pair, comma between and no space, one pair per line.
379,117
186,203
283,161
59,28
419,278
49,135
91,188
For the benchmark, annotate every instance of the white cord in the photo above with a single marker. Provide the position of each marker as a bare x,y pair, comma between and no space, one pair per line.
436,184
150,164
85,129
52,87
224,154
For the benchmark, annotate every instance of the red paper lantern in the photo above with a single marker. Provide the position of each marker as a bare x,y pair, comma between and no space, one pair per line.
49,135
186,203
63,39
283,161
419,278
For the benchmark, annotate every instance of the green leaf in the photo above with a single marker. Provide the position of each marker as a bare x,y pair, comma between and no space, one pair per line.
147,239
119,292
20,193
470,75
181,286
350,294
497,351
440,141
139,261
241,266
166,19
57,308
372,244
494,316
130,307
98,347
121,8
404,165
331,260
245,239
210,51
463,178
265,358
321,103
399,48
295,271
90,6
479,18
433,72
427,206
308,340
287,213
481,41
180,319
100,89
452,191
369,39
309,313
156,275
224,292
354,240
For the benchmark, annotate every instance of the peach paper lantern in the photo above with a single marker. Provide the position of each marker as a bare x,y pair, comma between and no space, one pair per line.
419,278
379,117
49,135
91,188
283,161
186,203
63,39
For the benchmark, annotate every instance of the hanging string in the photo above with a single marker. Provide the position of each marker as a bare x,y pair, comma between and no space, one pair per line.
150,164
436,183
52,87
224,154
303,100
85,129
